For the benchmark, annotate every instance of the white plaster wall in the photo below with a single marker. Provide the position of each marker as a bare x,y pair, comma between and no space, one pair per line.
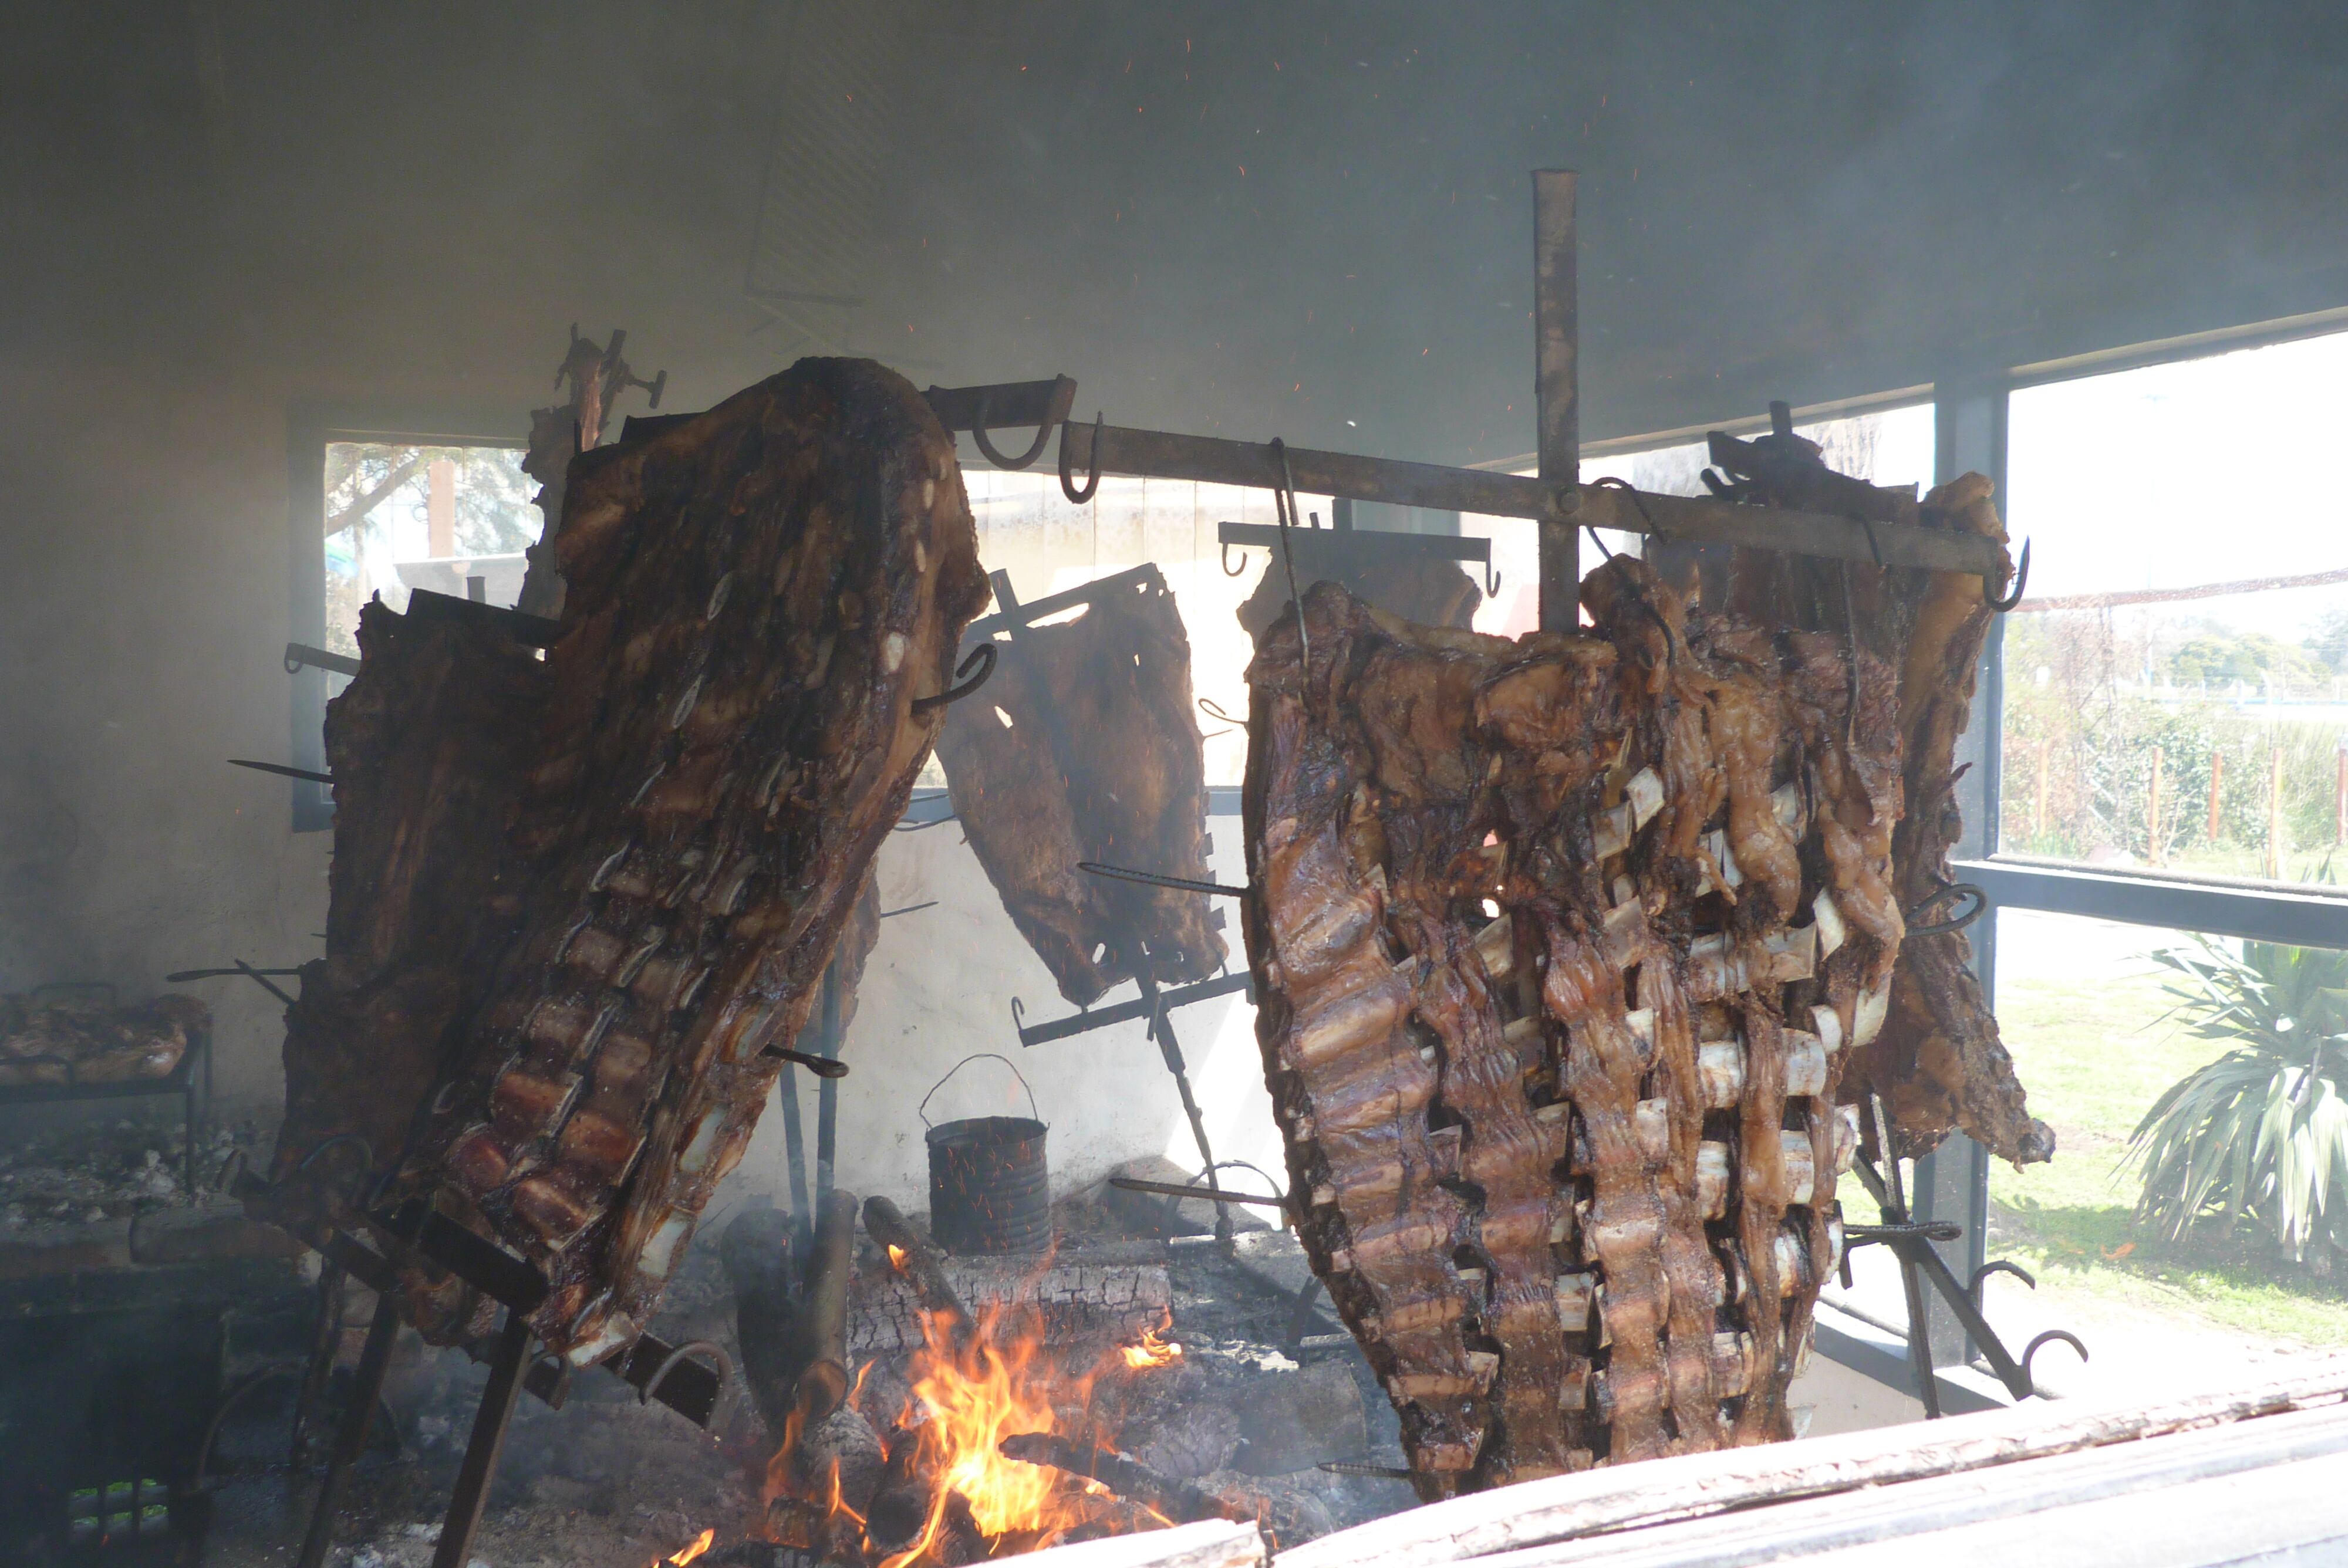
939,988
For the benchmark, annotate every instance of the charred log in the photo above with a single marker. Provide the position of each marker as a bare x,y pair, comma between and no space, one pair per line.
1123,1474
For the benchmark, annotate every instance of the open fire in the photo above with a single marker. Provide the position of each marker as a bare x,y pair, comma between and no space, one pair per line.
951,1490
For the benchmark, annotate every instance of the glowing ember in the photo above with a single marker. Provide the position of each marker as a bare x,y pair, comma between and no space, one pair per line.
896,1255
1152,1351
699,1544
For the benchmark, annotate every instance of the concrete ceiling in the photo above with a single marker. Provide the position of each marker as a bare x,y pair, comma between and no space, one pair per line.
1310,220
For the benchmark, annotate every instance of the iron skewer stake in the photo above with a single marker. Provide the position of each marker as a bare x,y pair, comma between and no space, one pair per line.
350,1438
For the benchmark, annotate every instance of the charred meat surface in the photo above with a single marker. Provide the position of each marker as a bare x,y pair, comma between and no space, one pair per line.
1561,945
1085,746
428,746
754,600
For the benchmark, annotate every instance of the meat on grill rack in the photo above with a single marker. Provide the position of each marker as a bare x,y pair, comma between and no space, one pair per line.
1085,746
1561,945
756,600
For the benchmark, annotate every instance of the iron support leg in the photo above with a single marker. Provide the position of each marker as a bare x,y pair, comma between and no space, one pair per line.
350,1439
507,1364
1161,1029
826,1091
1926,1258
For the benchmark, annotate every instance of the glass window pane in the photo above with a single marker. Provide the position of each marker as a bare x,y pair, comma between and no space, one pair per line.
2174,694
401,516
2100,1029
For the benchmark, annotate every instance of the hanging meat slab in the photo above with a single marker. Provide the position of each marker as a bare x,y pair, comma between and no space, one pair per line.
1939,1062
428,747
757,598
1085,746
1561,945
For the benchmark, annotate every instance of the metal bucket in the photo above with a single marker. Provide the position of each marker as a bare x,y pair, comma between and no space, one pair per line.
990,1189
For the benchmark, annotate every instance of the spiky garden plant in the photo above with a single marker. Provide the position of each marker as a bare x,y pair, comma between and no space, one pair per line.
2261,1134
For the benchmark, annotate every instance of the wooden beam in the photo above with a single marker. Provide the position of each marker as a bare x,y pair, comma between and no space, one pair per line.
1561,1508
1557,390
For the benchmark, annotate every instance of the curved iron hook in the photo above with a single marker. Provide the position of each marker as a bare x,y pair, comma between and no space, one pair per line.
2021,582
714,1351
1019,1020
1980,1277
2064,1335
983,654
1067,476
1491,581
1954,922
1214,709
978,434
1229,570
367,1153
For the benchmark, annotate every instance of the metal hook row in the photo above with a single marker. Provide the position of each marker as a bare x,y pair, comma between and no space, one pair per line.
1492,575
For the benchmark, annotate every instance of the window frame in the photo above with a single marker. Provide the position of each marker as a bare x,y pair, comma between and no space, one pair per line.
2220,907
311,427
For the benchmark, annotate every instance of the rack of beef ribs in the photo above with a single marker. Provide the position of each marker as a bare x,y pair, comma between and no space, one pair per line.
755,600
1561,945
578,901
1937,1062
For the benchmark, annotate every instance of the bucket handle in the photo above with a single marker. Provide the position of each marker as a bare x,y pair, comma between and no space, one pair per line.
923,1109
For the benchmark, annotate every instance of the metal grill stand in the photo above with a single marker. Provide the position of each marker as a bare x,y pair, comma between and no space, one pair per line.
1017,620
374,1249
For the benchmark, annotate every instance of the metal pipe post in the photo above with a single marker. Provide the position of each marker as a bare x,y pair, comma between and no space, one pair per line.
1558,393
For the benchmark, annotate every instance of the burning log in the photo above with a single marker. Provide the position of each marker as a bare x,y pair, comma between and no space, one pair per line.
1122,1474
756,1252
1075,1298
913,1258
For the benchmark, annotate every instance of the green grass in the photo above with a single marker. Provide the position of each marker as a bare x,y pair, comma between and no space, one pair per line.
2093,1054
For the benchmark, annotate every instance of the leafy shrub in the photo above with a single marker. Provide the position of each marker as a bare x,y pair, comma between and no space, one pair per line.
2259,1136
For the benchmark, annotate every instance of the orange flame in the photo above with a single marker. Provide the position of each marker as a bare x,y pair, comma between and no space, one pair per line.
1152,1351
971,1390
699,1544
977,1394
896,1255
